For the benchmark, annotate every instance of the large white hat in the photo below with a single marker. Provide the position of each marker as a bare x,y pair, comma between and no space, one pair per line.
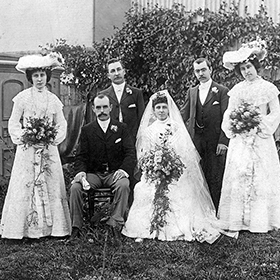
255,48
51,60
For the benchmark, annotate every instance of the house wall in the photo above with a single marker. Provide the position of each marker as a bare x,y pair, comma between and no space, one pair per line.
26,24
109,13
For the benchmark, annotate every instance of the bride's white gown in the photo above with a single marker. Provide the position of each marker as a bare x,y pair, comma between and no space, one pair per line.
192,210
250,198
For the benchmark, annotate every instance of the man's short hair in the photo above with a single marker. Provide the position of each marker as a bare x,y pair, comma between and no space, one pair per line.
101,96
202,59
114,60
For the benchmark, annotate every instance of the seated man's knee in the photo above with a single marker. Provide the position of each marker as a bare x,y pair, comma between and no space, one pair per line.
123,184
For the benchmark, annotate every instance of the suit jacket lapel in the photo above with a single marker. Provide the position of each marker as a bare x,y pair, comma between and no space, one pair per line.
125,94
98,130
113,95
110,131
193,96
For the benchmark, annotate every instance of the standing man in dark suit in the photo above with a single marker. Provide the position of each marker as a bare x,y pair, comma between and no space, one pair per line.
106,157
203,112
127,101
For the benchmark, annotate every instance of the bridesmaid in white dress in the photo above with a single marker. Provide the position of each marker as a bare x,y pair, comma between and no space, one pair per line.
250,197
36,203
191,208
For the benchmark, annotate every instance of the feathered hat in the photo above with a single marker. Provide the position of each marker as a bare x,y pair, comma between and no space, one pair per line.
247,51
51,60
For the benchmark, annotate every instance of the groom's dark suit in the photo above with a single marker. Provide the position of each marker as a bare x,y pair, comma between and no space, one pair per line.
203,122
114,148
100,155
131,105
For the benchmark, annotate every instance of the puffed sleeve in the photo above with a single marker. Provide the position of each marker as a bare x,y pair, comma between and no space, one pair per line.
14,124
270,121
61,122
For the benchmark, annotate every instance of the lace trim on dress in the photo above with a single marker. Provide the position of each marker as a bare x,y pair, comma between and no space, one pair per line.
257,92
28,96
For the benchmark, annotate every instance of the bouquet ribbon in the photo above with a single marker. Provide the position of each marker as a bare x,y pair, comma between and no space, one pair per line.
250,152
40,190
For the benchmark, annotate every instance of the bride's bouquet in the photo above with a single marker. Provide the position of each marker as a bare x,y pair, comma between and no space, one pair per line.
245,118
38,131
161,165
162,162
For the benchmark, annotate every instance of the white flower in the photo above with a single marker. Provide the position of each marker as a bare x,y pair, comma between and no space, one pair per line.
215,89
57,57
158,156
67,79
128,90
114,128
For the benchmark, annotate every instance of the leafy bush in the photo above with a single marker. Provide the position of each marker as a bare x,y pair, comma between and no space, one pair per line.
158,47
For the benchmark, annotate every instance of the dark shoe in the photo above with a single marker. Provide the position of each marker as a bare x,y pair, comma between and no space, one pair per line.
75,233
116,230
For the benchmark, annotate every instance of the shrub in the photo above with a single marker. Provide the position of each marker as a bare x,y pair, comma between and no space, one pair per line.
158,47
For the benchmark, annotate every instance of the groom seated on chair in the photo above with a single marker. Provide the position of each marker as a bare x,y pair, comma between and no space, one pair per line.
106,158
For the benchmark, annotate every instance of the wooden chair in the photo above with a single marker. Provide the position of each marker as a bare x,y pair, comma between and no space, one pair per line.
99,202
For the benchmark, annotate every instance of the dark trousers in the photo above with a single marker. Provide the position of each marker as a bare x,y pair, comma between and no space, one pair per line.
98,181
213,165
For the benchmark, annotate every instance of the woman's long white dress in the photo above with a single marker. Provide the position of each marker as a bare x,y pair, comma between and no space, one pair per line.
192,210
33,210
250,198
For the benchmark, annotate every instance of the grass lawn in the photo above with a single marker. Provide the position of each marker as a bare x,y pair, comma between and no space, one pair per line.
97,255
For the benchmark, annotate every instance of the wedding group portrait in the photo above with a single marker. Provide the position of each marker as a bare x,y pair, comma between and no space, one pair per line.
140,140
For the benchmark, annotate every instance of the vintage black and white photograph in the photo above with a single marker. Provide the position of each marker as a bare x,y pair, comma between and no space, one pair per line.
139,140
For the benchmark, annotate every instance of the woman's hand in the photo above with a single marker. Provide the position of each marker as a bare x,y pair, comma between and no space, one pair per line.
221,149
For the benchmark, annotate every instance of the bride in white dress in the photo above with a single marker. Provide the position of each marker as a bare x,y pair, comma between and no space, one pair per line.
191,210
36,204
250,198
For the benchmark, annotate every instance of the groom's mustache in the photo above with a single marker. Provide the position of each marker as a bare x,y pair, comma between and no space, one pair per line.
102,114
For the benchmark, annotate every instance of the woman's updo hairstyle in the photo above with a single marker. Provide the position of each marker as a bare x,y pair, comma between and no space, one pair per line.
29,72
160,98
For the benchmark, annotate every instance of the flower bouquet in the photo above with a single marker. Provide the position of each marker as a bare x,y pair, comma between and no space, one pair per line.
161,165
38,131
244,118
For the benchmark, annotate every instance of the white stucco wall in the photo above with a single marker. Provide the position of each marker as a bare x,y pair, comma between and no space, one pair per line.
109,13
26,24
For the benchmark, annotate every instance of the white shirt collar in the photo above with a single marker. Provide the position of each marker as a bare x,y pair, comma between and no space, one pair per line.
206,85
118,88
103,124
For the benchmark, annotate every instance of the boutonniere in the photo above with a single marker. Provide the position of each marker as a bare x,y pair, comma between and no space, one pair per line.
214,90
128,90
114,128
